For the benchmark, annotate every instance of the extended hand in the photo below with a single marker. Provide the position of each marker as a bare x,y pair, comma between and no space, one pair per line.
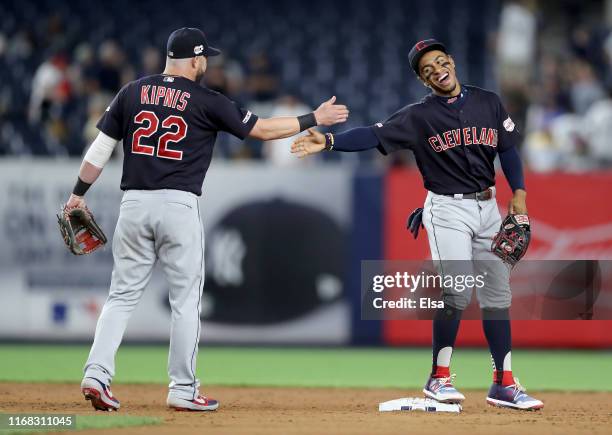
518,204
329,113
313,142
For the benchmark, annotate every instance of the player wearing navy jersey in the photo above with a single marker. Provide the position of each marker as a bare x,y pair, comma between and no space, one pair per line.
168,124
455,133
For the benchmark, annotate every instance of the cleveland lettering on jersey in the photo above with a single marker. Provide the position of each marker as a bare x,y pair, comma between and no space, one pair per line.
463,136
454,143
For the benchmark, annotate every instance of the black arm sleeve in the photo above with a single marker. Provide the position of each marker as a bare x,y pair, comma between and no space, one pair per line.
227,116
396,133
356,139
513,168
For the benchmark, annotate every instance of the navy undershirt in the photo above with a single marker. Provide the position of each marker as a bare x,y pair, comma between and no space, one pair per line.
513,168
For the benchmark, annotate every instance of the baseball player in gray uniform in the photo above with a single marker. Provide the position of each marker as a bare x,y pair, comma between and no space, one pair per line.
168,124
455,133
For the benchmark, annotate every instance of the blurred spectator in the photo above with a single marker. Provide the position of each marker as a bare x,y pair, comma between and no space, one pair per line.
597,130
278,152
551,62
151,62
587,44
215,78
50,89
585,89
261,84
226,76
21,45
516,42
607,48
95,109
3,44
107,75
540,151
82,61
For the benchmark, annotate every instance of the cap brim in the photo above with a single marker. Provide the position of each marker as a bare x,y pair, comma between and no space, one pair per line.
211,51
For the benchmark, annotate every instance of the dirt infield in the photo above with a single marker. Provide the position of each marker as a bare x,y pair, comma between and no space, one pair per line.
274,411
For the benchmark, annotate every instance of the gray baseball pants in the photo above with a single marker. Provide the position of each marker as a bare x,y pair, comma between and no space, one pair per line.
164,226
463,229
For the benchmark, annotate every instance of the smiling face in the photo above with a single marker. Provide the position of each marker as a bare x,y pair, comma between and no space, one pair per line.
437,71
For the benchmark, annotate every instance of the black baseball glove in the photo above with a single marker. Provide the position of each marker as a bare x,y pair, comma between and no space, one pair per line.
415,222
512,241
80,231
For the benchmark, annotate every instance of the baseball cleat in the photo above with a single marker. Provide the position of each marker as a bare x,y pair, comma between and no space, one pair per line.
442,390
512,396
200,403
99,394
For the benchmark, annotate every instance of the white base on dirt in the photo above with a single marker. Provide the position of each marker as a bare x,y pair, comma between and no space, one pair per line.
418,404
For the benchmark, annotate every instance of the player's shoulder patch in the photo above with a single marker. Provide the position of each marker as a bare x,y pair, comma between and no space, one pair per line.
509,124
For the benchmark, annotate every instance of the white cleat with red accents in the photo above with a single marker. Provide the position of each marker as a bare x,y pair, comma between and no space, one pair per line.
200,403
99,394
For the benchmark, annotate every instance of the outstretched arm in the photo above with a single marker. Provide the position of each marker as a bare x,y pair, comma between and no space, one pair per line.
356,139
96,157
327,114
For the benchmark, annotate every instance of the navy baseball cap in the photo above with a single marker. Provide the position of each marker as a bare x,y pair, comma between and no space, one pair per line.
422,47
189,42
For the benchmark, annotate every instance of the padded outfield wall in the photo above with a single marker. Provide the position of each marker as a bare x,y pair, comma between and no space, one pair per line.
284,250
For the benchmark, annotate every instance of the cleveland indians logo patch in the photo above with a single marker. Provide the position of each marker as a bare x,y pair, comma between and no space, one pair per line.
509,124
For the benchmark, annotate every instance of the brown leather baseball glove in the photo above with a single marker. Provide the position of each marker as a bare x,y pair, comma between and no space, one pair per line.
512,240
80,231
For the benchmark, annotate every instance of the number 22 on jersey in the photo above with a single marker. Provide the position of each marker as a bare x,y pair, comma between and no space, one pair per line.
150,124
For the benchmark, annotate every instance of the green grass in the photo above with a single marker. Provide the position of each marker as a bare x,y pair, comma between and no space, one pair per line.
312,367
114,421
98,422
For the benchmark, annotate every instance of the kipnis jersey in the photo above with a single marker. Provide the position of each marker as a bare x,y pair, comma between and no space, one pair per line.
168,125
454,140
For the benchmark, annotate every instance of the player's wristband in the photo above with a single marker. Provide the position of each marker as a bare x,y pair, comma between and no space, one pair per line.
81,187
329,142
307,121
